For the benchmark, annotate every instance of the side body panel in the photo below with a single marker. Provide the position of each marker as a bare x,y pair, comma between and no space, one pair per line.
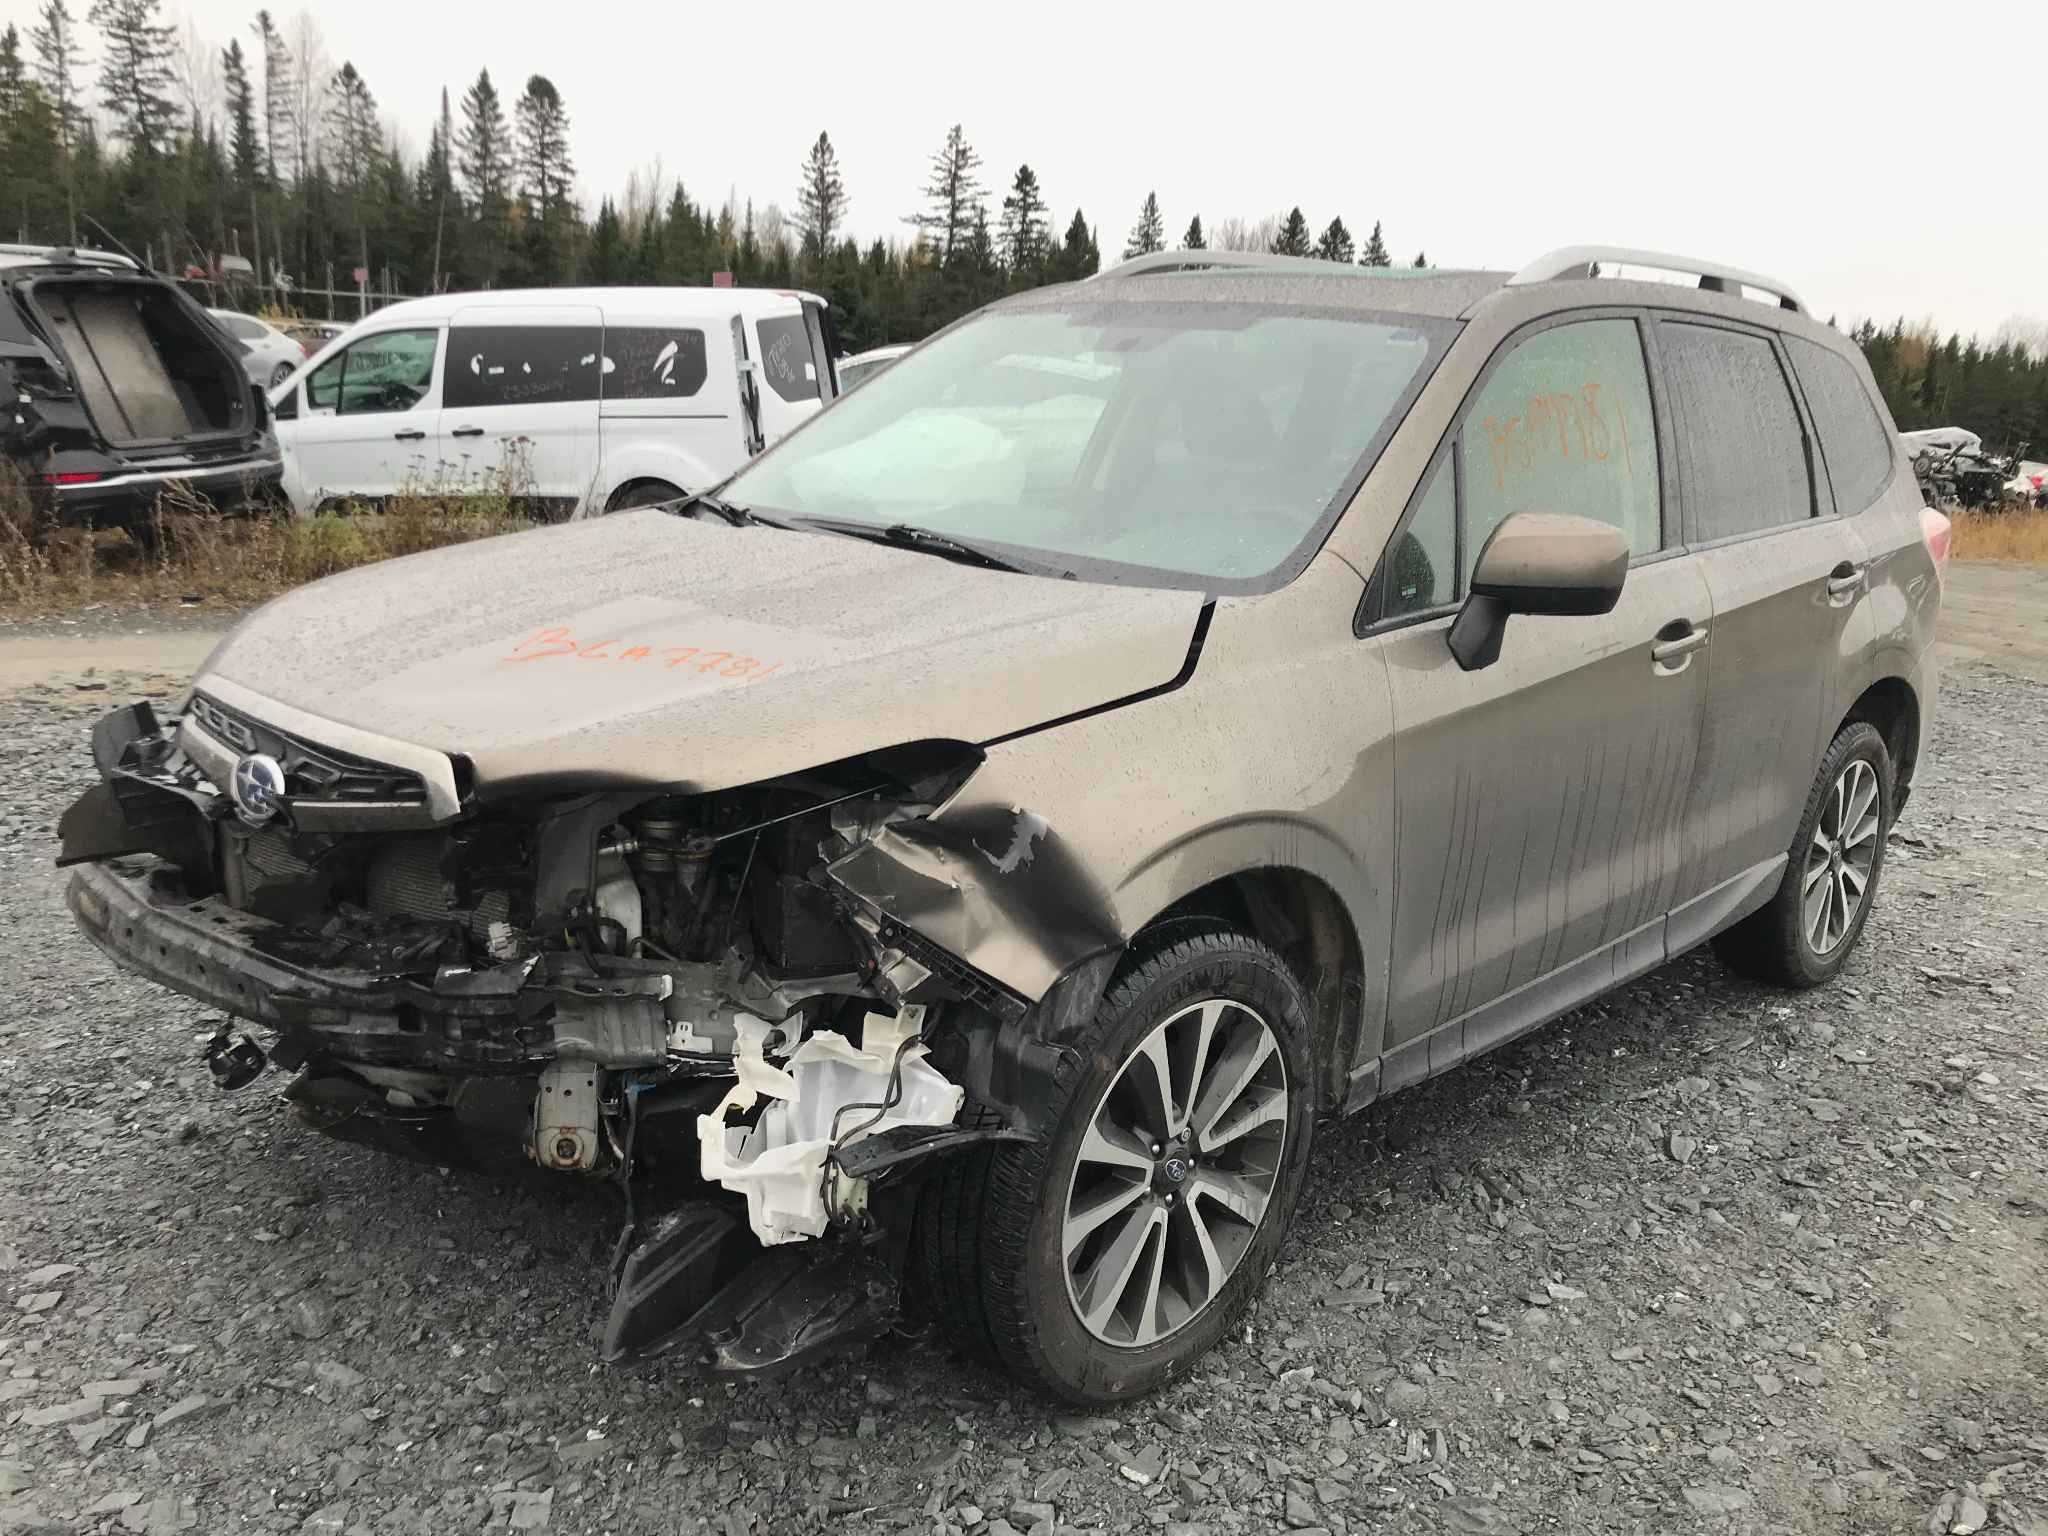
370,453
670,405
1275,755
1538,800
524,441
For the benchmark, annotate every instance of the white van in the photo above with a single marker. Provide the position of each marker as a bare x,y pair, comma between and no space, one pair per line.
581,400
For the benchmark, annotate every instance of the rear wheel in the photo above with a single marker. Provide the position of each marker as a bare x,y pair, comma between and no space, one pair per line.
1106,1260
643,493
279,374
1803,937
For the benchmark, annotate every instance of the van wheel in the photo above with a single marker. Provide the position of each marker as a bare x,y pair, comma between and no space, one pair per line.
1803,937
1106,1260
643,493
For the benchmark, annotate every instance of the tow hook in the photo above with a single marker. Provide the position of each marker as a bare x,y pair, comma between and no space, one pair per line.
234,1060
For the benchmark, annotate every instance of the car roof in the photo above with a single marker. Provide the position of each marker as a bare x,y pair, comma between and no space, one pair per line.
719,301
47,255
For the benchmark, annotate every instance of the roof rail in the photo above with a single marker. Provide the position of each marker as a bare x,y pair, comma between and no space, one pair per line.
1203,261
1714,276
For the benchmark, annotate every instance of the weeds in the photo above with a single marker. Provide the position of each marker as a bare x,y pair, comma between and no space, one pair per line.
2012,535
189,552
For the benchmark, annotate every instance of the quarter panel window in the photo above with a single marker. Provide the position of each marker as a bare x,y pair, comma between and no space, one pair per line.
1853,440
389,372
521,365
1564,425
645,362
1741,451
786,357
1420,570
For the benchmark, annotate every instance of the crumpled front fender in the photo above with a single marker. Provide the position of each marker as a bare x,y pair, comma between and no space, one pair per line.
993,886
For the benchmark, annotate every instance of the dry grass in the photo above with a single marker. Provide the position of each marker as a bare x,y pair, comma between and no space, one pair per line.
201,555
2011,536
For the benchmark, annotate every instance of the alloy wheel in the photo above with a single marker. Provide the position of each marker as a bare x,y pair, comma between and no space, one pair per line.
1177,1167
1836,880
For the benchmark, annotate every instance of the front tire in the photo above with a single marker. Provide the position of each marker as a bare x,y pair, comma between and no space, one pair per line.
1803,937
1106,1260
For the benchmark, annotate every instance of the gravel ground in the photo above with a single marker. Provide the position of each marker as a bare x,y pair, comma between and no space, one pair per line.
1701,1255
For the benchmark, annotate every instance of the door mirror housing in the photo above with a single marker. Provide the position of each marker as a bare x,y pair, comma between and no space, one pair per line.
1537,562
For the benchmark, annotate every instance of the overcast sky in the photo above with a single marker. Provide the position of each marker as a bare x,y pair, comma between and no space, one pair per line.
1813,143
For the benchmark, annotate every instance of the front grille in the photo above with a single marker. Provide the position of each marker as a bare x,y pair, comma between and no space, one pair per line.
310,772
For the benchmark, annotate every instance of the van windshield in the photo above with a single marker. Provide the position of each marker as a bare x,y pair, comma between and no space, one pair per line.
1183,444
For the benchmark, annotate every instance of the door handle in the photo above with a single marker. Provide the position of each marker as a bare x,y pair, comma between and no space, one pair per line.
1671,652
467,432
1846,579
410,435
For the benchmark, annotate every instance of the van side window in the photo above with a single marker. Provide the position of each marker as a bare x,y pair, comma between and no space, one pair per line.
391,371
1420,569
786,357
1564,425
647,362
1741,450
1853,440
520,365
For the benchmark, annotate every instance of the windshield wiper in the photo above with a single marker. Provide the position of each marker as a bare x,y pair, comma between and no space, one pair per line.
909,536
738,516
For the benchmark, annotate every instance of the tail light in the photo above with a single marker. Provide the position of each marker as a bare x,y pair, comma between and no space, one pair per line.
75,477
1936,530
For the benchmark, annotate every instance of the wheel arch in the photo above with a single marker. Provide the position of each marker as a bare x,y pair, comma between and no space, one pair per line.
1892,707
1302,916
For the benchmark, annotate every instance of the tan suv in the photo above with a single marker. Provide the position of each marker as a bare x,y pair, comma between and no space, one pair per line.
971,851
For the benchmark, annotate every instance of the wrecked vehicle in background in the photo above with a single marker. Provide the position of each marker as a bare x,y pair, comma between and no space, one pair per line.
970,851
118,388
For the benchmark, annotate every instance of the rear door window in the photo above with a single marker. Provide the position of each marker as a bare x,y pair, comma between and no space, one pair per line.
1740,445
521,365
786,359
1853,441
391,371
648,362
1564,425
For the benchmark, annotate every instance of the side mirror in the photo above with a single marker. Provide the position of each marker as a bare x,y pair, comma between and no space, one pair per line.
1537,562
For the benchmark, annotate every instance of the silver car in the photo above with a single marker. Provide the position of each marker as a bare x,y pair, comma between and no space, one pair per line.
269,357
974,852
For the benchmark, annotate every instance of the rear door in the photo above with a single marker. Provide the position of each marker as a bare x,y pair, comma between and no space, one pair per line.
794,384
368,419
520,402
1536,800
1786,578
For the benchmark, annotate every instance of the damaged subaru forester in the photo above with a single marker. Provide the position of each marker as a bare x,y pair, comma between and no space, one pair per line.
959,861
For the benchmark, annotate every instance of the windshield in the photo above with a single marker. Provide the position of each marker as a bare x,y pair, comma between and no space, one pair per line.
1176,444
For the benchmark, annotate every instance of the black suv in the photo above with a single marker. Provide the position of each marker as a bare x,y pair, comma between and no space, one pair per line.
119,387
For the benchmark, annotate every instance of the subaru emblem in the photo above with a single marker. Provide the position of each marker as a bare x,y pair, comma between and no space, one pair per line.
257,788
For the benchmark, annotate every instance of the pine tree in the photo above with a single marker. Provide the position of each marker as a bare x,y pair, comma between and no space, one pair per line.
1149,233
951,195
1078,256
1335,244
1375,250
136,76
546,172
1293,239
13,77
608,255
277,90
1026,238
1421,259
820,201
58,61
353,132
483,149
1194,240
245,146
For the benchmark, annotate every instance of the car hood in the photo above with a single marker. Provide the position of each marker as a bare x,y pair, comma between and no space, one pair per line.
646,648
